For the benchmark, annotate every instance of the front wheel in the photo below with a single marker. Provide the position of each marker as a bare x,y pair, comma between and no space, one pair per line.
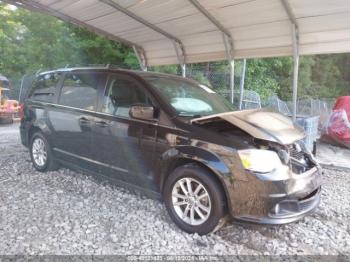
40,153
194,199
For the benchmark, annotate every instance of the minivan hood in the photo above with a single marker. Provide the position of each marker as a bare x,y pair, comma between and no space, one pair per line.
260,124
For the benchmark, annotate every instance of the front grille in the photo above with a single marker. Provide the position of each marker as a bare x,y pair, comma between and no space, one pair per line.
294,153
299,160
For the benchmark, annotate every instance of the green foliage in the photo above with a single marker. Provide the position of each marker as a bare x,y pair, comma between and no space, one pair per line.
320,76
90,48
200,78
262,75
169,69
30,41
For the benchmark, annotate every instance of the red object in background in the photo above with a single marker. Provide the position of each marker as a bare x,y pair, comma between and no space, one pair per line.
11,106
343,102
337,128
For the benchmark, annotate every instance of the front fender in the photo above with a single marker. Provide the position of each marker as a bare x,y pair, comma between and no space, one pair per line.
223,162
197,154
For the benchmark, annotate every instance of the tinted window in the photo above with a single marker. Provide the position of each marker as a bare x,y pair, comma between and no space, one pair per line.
79,90
43,88
121,94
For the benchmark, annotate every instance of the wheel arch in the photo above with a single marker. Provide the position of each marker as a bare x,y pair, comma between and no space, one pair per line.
217,168
31,132
39,126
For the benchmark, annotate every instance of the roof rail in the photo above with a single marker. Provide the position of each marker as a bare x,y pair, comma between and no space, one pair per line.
96,65
102,66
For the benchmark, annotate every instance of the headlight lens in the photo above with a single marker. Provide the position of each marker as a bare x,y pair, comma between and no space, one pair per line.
259,160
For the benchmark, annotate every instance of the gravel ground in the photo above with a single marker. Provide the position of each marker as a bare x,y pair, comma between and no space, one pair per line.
65,212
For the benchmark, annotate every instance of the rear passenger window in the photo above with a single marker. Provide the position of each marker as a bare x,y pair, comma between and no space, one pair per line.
79,90
43,88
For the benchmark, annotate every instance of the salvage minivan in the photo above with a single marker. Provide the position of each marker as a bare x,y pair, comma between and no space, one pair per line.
175,139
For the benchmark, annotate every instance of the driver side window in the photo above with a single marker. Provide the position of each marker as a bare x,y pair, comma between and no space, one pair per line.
122,93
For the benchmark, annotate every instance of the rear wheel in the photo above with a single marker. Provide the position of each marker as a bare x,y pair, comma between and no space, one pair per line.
194,199
40,153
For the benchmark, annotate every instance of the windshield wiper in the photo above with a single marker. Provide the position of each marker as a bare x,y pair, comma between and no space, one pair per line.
189,115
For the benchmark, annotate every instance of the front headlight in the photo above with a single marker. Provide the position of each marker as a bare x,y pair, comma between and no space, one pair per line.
259,160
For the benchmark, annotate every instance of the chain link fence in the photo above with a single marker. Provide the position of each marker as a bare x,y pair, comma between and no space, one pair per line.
218,80
218,77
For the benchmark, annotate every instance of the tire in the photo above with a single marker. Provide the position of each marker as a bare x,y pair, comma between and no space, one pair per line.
210,217
42,161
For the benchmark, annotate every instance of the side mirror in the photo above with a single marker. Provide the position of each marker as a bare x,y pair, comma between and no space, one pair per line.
142,112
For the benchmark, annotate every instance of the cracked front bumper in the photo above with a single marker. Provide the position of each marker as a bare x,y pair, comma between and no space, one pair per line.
286,198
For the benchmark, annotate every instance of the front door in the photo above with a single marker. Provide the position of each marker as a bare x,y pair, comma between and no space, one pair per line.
124,147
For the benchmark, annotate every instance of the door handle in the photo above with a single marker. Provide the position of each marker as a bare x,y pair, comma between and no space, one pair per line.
101,123
84,120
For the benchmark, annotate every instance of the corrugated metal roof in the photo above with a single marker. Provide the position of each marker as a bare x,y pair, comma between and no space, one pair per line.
259,28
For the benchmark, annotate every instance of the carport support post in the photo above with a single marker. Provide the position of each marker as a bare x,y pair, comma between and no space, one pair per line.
227,39
141,57
295,41
242,84
181,56
228,43
183,70
232,79
295,70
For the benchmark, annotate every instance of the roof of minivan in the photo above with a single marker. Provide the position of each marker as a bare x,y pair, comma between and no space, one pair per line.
113,69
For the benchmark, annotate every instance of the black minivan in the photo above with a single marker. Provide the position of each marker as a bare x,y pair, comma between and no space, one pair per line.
175,139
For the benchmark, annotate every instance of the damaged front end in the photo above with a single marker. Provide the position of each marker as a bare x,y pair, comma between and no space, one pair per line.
282,181
296,156
285,194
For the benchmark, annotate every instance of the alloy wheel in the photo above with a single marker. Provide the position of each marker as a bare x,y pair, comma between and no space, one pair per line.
39,152
191,201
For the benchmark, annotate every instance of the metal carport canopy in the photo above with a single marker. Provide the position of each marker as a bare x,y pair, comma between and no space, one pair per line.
165,32
258,28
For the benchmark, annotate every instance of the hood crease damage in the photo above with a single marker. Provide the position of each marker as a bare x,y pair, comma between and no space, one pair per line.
260,124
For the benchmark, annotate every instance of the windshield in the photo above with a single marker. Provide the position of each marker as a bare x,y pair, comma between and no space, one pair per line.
188,98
